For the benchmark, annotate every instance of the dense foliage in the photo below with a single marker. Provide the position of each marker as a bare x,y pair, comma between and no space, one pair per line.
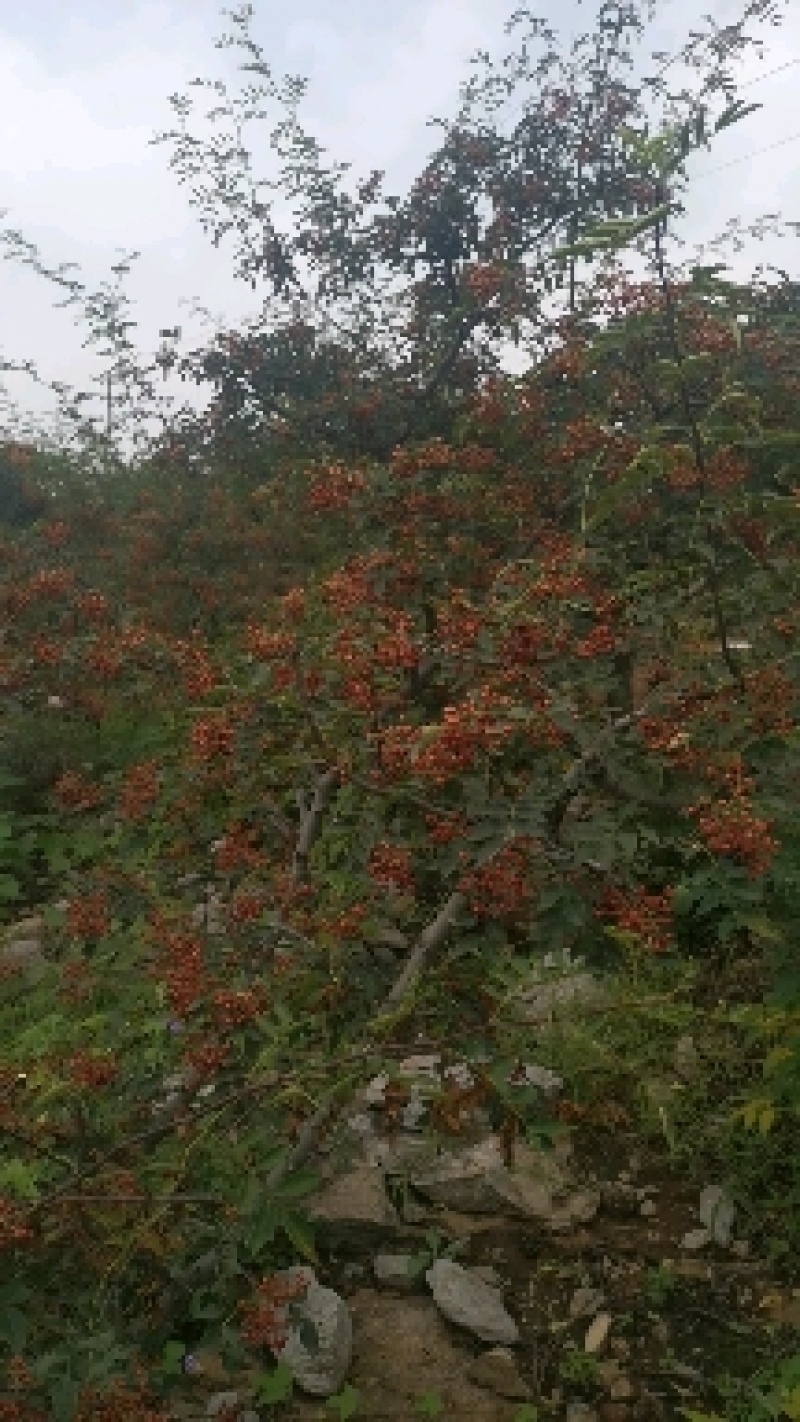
395,651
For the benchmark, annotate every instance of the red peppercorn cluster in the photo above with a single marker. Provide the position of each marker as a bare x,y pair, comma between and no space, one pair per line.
91,1071
13,1229
647,916
179,965
391,866
266,646
74,792
212,737
334,487
264,1319
444,831
731,828
236,851
599,642
235,1008
88,917
139,790
502,887
246,908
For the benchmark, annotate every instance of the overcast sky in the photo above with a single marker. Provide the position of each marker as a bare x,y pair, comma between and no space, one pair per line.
85,86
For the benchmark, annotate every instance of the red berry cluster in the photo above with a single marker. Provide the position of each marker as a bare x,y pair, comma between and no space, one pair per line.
334,487
13,1229
210,738
395,648
50,582
236,851
56,534
90,1071
345,925
246,908
502,887
236,1007
444,831
93,605
266,646
180,965
139,790
391,866
647,916
600,641
206,1058
265,1318
88,917
75,792
47,654
733,829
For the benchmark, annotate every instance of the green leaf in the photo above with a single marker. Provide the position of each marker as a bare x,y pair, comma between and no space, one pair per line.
649,464
345,1403
737,111
172,1357
429,1405
276,1386
19,1178
14,1328
64,1393
301,1234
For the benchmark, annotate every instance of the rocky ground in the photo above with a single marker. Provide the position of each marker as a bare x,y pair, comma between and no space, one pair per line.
460,1277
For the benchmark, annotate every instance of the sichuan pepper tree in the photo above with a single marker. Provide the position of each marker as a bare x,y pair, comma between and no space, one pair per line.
513,680
422,293
430,718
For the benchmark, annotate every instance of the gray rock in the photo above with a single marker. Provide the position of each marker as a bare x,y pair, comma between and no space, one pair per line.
392,1269
717,1212
580,1412
585,1303
496,1370
466,1300
355,1199
578,1208
222,1403
320,1372
686,1058
476,1180
695,1240
24,955
547,1081
545,1001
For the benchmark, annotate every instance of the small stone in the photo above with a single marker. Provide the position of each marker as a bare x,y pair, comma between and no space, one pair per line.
392,1269
647,1208
222,1404
686,1058
466,1300
496,1370
597,1333
24,955
695,1240
585,1303
717,1212
356,1198
580,1412
322,1371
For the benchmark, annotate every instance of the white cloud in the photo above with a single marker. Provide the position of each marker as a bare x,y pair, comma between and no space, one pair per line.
84,88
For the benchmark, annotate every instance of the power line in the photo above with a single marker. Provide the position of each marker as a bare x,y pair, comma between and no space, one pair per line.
756,151
788,65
